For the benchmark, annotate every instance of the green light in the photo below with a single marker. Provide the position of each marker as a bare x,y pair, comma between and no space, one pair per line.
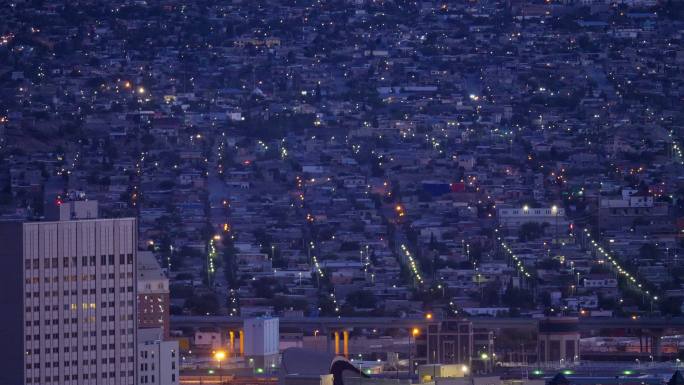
537,372
260,370
566,372
211,371
368,371
627,372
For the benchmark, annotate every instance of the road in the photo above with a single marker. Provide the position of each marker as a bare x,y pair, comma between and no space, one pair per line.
311,323
218,215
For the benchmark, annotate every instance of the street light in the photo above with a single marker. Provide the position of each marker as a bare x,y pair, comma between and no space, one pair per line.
414,333
220,356
554,211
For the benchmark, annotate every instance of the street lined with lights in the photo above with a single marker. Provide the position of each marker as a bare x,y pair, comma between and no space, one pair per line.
614,264
515,261
412,265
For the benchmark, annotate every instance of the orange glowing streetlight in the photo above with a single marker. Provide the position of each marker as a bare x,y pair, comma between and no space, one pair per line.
219,356
414,332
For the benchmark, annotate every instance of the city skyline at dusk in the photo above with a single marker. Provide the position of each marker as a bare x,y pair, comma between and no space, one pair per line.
321,192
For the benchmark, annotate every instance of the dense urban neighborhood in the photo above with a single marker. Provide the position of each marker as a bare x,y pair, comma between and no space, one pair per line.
389,159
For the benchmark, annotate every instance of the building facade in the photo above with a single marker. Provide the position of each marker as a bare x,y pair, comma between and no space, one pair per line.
633,209
153,294
558,340
69,290
514,218
262,341
447,342
158,359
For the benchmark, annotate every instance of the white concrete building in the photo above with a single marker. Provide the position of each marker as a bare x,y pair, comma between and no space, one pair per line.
68,291
64,211
513,218
600,282
158,360
208,338
262,339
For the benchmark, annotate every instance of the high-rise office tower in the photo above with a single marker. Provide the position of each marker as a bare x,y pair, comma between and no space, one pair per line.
68,292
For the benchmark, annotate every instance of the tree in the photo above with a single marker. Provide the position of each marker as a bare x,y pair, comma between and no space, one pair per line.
147,140
671,306
205,304
229,265
263,288
649,251
362,299
530,231
545,298
516,297
490,293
